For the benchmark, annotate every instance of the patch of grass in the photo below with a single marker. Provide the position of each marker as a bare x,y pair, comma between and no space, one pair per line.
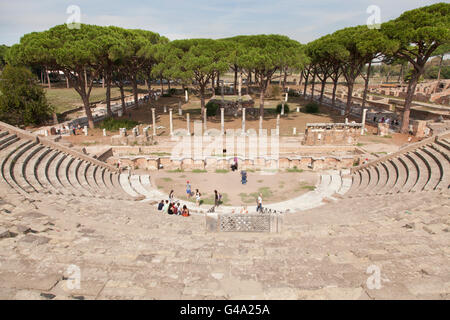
221,171
360,144
266,192
387,137
160,187
260,181
199,171
166,179
310,188
112,124
160,154
183,176
176,171
294,169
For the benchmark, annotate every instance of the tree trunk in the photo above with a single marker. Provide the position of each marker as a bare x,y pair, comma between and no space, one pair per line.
168,84
322,90
366,86
162,86
213,79
313,84
235,79
261,101
87,109
439,73
218,81
107,78
67,83
85,80
349,97
333,99
202,100
300,80
122,98
306,83
135,89
48,79
408,100
284,79
149,87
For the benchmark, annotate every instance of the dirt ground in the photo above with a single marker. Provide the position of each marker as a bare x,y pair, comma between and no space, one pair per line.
274,187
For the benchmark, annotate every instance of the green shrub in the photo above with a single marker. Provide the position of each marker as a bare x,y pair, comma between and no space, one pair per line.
311,107
293,93
286,108
211,109
112,124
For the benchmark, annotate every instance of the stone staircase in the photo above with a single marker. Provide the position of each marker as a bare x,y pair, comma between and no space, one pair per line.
422,168
34,169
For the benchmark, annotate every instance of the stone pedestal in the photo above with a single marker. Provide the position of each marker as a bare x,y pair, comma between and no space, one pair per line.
171,122
420,128
383,129
188,125
222,121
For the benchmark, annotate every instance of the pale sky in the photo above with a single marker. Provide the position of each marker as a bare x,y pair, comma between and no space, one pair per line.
301,20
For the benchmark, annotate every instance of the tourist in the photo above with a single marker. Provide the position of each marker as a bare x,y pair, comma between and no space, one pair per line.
234,166
375,119
197,197
259,203
166,207
244,210
244,177
161,205
171,196
185,212
387,121
188,189
170,210
216,198
177,209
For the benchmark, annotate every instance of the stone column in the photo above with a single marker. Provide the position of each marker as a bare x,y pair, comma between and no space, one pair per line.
85,130
282,108
278,125
286,98
221,90
171,122
188,125
180,111
205,118
260,123
104,132
186,96
222,121
165,109
298,109
154,121
243,120
363,121
294,131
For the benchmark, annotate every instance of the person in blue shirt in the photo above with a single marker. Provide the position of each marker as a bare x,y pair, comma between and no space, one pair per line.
188,190
161,205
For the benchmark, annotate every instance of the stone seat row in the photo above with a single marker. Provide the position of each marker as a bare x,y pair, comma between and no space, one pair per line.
426,168
31,168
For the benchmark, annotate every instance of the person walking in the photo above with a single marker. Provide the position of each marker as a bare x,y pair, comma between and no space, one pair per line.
188,189
197,197
259,203
171,196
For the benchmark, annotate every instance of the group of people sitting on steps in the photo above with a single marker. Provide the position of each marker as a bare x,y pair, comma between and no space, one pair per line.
173,209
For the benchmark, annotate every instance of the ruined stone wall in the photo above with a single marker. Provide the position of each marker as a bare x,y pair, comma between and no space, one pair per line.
332,133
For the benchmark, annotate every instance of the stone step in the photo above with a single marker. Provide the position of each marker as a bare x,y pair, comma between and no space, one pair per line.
444,166
413,174
35,167
16,167
423,172
383,176
402,175
62,171
392,177
433,167
9,161
126,185
27,167
373,180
